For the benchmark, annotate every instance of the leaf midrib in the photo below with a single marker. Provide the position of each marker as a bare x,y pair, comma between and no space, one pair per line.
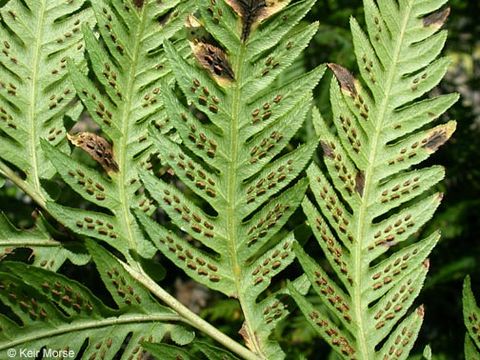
125,126
34,138
362,221
92,324
232,184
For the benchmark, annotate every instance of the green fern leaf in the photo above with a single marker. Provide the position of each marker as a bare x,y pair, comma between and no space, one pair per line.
471,316
128,64
166,352
213,352
238,161
60,314
35,91
371,196
47,252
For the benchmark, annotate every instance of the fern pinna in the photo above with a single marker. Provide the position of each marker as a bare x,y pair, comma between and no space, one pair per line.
61,315
235,155
372,197
47,252
471,315
35,92
127,64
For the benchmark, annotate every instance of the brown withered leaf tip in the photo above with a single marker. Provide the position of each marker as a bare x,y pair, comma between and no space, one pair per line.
437,18
436,140
438,137
344,77
214,60
246,337
327,149
138,3
97,147
360,183
426,263
253,12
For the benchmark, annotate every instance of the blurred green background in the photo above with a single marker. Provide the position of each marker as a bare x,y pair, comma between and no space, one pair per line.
457,254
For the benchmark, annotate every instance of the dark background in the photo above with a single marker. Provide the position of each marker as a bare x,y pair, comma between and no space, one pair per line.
458,252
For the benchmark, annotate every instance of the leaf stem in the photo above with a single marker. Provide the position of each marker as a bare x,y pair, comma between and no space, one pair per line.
8,173
190,317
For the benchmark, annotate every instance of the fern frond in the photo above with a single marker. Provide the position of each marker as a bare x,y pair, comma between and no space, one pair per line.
372,196
128,65
471,316
238,161
35,91
47,252
58,313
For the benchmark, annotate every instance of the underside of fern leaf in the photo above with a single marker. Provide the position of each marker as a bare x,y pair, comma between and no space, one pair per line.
196,350
62,315
35,91
35,97
471,315
127,62
372,196
236,156
47,252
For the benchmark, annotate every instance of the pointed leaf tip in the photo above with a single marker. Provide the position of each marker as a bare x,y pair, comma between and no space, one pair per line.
439,136
327,149
344,77
437,18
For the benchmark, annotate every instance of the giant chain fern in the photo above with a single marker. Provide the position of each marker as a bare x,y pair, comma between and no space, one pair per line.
238,159
128,65
35,91
62,315
374,199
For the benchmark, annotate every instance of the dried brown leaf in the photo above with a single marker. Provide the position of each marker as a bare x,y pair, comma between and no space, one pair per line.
254,12
345,78
97,147
437,18
215,60
439,136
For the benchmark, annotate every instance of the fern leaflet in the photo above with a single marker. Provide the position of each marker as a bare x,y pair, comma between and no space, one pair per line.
237,161
374,199
128,64
198,348
47,252
471,315
35,92
61,314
